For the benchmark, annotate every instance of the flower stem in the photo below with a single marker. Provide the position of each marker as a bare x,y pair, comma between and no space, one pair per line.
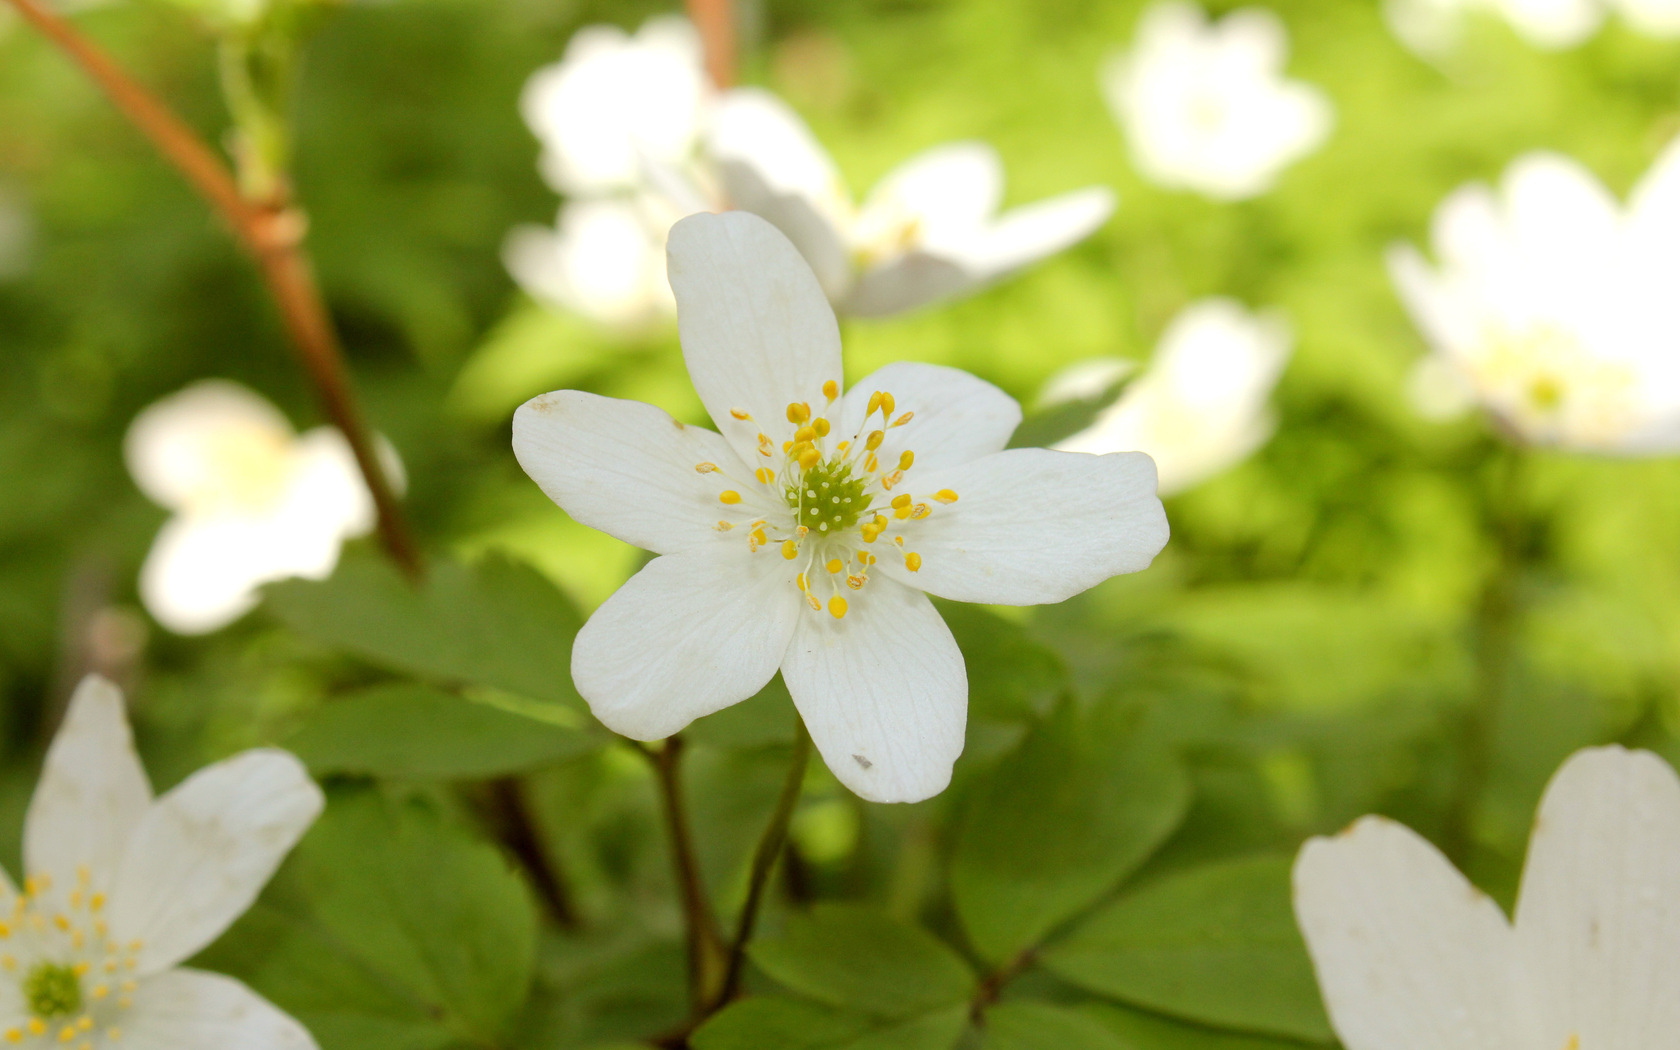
706,955
519,833
715,19
763,862
271,230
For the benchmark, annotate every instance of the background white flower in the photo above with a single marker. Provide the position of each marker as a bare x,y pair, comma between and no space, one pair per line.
254,501
1432,28
605,259
804,535
1202,405
929,231
1553,305
121,888
1409,954
1205,106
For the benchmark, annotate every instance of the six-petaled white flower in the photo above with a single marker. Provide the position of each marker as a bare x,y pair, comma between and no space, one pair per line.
120,888
254,501
1206,107
1553,306
1409,954
804,535
1202,405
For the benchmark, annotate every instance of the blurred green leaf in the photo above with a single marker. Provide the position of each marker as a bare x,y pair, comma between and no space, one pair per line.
788,1024
857,957
1084,800
1010,675
417,732
1215,944
1024,1025
1141,1031
496,623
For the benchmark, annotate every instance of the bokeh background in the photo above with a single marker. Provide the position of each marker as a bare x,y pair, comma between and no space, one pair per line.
1304,651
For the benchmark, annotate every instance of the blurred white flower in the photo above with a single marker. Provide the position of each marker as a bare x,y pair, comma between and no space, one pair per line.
1201,407
615,103
254,501
806,536
1205,106
121,888
1409,954
1432,28
1553,305
929,231
604,259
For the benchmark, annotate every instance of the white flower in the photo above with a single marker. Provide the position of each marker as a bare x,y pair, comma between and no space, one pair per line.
254,501
121,888
930,230
1410,955
1205,107
803,537
1432,28
605,259
1553,306
1201,407
615,102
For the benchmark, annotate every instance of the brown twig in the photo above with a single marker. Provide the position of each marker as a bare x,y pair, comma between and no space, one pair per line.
272,231
992,985
518,831
715,19
706,954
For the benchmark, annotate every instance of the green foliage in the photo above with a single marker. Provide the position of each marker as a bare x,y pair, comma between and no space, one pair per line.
859,958
757,1023
1024,1025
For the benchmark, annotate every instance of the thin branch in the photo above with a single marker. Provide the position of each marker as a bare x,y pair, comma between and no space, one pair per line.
715,19
273,232
519,833
705,940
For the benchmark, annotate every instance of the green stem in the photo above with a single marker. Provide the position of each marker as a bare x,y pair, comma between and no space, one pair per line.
706,956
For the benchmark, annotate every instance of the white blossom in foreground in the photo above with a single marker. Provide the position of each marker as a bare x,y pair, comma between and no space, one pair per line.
253,501
807,535
929,231
1202,405
121,888
1553,306
1205,106
1409,954
605,259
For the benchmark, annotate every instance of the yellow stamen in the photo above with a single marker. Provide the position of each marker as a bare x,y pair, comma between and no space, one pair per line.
905,418
765,475
798,412
913,561
809,458
765,445
945,496
729,496
758,539
790,550
875,439
843,446
705,468
837,606
821,426
874,403
889,480
835,565
922,510
740,413
800,580
100,991
831,390
37,1026
856,582
887,405
872,464
724,526
804,434
906,458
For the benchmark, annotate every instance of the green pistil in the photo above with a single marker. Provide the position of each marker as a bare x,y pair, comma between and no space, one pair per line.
833,500
53,990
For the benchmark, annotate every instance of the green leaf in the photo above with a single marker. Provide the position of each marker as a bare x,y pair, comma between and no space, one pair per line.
1216,944
1063,420
416,732
430,916
1010,676
1083,801
789,1024
857,957
496,623
1140,1031
1024,1025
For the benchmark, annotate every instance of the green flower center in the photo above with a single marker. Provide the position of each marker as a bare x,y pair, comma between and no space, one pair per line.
53,990
828,499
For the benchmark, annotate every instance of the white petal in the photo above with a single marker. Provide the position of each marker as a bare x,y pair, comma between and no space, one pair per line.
883,691
93,790
601,260
1408,953
627,468
1032,526
204,851
1032,232
202,573
193,1010
1598,917
688,635
327,491
958,417
948,191
173,448
908,282
757,332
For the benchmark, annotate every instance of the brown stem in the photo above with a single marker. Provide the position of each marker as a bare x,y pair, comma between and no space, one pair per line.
273,232
715,19
991,987
519,833
706,954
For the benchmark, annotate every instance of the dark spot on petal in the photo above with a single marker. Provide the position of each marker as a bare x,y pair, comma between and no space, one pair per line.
864,762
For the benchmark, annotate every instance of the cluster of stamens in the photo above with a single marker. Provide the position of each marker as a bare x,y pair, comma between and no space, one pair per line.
73,976
838,500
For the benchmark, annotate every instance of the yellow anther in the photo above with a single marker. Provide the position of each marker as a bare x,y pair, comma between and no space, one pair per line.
945,496
724,526
758,539
764,475
835,565
798,412
905,459
831,390
843,446
913,561
800,581
5,931
129,986
872,464
84,1022
899,540
37,1026
100,991
787,446
14,1035
811,600
905,418
729,496
809,458
821,426
765,445
887,405
875,439
790,550
62,922
922,510
901,513
874,403
801,531
856,582
837,606
81,969
740,413
889,480
865,558
705,468
871,533
67,1034
805,434
901,501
